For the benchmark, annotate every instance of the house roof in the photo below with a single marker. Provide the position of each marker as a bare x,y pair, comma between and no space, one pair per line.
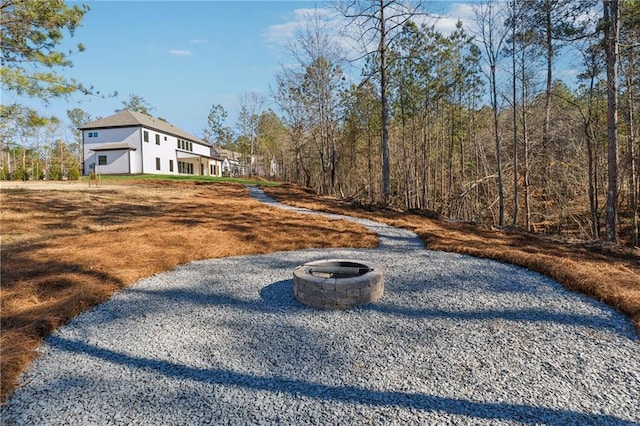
113,146
129,118
227,153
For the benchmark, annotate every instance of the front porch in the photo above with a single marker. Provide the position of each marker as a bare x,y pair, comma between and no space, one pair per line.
200,165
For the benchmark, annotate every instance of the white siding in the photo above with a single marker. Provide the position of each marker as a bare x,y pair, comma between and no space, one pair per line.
117,162
143,158
165,151
201,149
130,135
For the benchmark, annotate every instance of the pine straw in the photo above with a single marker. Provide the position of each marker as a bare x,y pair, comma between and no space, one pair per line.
66,251
606,272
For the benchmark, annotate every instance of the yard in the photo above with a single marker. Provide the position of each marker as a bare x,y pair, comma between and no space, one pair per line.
67,247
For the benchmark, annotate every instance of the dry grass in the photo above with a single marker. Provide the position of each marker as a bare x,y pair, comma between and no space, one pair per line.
609,273
65,251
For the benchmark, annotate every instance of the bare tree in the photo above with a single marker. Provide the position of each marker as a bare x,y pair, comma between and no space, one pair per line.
492,35
612,32
251,105
378,23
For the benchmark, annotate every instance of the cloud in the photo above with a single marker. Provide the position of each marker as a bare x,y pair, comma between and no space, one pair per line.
199,41
297,22
177,52
446,24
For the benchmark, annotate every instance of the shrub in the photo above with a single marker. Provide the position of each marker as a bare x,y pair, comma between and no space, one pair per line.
21,174
73,173
54,172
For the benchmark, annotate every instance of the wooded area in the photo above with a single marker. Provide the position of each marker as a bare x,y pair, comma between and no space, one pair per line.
479,127
475,125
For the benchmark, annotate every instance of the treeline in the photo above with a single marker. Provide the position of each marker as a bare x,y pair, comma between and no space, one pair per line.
33,147
479,127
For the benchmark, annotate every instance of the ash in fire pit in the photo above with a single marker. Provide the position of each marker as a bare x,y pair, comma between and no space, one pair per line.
337,283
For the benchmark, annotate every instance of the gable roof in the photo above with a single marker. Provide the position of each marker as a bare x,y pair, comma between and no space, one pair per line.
227,153
129,118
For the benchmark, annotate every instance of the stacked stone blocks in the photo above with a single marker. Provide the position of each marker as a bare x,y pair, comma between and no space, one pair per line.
335,290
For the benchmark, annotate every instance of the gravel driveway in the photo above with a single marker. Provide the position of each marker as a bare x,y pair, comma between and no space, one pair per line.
454,340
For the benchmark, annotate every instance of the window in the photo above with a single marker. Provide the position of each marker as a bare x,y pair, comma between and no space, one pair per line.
185,168
102,160
157,139
93,134
157,163
145,136
165,138
170,165
186,145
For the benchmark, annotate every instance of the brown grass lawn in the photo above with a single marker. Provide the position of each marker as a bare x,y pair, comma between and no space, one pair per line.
64,251
609,273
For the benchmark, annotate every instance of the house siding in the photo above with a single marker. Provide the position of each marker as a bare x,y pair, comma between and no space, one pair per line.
131,154
128,135
165,151
117,162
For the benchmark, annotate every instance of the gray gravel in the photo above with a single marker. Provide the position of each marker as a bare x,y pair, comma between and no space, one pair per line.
454,340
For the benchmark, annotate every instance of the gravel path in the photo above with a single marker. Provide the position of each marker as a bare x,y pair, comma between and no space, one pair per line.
454,340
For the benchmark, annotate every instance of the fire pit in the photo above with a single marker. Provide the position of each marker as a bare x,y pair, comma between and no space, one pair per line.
337,283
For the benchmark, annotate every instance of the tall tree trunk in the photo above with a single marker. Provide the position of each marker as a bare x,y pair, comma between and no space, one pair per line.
612,30
496,135
546,138
633,172
452,125
426,156
593,199
382,51
514,95
525,142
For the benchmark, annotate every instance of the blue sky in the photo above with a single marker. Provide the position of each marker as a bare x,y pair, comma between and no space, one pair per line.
182,56
185,56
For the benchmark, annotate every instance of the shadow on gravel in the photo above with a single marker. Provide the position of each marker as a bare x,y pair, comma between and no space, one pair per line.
278,297
517,315
526,414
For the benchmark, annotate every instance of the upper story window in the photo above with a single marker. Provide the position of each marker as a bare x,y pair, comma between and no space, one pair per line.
157,139
145,136
93,134
186,145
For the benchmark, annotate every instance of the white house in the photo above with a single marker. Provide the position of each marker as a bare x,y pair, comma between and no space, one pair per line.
133,143
232,164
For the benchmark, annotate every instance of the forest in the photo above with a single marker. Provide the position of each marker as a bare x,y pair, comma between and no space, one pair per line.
475,125
479,128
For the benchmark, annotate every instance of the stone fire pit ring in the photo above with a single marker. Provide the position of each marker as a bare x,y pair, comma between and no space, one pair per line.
337,283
